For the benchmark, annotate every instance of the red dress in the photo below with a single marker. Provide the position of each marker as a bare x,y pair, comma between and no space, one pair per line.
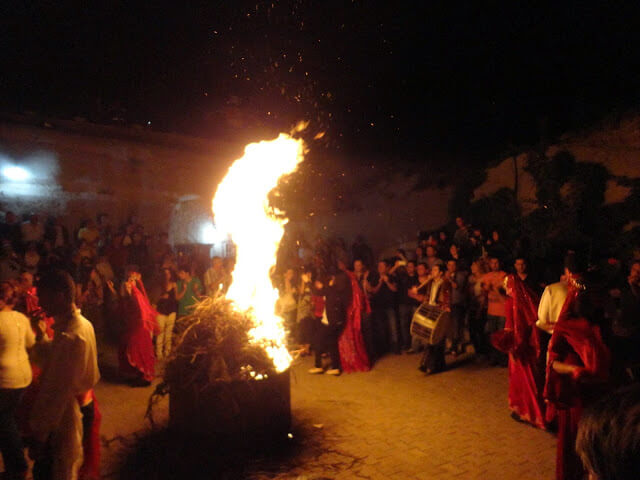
90,468
577,342
353,353
34,310
520,340
136,348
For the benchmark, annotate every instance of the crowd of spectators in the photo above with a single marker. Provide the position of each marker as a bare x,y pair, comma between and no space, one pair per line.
473,268
100,257
568,331
461,272
468,268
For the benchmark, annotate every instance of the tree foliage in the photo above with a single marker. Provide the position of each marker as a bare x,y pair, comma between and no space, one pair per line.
571,210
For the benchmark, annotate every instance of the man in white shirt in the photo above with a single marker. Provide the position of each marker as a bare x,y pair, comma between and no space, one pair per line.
551,303
70,370
555,294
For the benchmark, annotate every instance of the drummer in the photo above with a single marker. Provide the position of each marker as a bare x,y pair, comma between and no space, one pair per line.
438,294
417,294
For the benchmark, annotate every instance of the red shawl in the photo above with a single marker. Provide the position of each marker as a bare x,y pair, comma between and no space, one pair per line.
519,337
148,314
577,342
353,353
90,468
136,350
520,340
34,310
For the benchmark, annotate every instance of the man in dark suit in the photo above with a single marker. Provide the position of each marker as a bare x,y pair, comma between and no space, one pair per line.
337,292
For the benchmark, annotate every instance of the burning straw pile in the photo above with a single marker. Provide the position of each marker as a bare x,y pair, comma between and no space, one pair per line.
219,382
229,369
214,347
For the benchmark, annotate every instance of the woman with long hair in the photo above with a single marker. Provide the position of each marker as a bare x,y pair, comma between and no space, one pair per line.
578,369
520,341
137,359
351,344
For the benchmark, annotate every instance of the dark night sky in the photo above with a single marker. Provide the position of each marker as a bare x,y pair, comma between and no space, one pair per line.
397,78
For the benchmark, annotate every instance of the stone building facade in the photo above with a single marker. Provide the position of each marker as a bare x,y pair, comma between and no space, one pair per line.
78,169
75,169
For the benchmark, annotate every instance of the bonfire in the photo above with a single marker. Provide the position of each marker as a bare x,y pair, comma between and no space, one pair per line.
228,371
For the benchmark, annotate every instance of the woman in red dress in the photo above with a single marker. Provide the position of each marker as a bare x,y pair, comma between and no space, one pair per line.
353,352
137,359
519,340
577,371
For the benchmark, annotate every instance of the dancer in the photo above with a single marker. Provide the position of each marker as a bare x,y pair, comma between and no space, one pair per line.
577,370
336,290
353,352
337,302
137,360
29,304
520,341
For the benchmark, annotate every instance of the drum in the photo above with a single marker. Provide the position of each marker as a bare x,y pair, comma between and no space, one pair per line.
430,323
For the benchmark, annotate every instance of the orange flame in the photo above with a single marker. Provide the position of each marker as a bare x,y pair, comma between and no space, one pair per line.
241,208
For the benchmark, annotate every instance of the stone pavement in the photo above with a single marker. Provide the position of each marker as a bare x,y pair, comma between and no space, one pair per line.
407,426
390,423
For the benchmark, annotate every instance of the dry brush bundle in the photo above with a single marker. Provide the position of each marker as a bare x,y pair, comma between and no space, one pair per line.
212,349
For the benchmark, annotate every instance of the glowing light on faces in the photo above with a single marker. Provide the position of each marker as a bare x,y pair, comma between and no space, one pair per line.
16,174
241,208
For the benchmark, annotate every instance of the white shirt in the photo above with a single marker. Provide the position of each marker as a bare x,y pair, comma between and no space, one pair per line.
16,336
550,306
70,369
435,288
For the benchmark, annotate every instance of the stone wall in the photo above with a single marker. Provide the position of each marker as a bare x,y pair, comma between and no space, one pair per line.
78,169
167,180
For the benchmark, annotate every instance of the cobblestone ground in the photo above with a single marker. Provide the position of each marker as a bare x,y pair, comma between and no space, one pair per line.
405,425
390,423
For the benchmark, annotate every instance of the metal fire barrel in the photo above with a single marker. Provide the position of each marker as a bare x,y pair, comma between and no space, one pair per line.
238,411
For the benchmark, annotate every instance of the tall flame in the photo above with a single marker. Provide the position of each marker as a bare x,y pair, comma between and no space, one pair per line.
241,208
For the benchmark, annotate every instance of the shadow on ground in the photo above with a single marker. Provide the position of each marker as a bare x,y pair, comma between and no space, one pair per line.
163,455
